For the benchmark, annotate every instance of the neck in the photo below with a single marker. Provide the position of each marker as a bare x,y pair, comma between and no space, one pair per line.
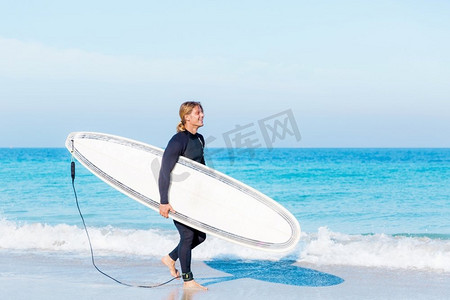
191,129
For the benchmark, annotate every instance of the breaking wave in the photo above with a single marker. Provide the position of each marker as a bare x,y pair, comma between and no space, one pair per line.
322,248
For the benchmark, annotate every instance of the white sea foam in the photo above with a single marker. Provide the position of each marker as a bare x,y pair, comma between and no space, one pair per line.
378,250
323,248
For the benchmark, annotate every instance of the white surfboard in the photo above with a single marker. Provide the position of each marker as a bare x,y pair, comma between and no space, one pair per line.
202,197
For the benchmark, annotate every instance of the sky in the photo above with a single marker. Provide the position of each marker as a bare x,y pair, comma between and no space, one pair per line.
344,73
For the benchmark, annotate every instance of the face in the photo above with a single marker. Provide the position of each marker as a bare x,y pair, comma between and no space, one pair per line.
195,118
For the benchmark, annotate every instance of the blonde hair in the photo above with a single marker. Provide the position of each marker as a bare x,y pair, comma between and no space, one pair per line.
185,109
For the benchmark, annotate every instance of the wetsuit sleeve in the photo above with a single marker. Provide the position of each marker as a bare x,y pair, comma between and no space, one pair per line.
170,157
203,145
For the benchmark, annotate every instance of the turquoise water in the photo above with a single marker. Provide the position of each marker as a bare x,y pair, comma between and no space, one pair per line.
377,196
349,190
353,190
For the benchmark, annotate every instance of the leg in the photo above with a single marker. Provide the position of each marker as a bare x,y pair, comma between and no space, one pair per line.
199,238
170,259
189,239
184,248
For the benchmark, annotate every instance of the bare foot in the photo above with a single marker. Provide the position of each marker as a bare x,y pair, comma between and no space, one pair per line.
170,263
194,285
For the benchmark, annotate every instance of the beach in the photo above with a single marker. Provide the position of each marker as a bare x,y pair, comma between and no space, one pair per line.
26,275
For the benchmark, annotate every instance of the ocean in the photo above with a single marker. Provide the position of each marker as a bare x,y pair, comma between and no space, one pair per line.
375,208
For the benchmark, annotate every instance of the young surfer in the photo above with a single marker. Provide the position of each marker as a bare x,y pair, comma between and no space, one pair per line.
188,143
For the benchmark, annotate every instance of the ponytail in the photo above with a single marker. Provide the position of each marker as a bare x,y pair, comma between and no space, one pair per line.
180,127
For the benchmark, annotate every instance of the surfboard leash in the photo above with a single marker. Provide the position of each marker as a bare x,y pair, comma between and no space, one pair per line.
72,171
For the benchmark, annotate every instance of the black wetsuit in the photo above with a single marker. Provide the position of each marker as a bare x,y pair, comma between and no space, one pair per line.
191,146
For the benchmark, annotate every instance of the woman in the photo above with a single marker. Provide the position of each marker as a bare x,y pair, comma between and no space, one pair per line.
188,143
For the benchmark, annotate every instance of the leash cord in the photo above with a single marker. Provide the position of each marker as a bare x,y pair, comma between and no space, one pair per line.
72,169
